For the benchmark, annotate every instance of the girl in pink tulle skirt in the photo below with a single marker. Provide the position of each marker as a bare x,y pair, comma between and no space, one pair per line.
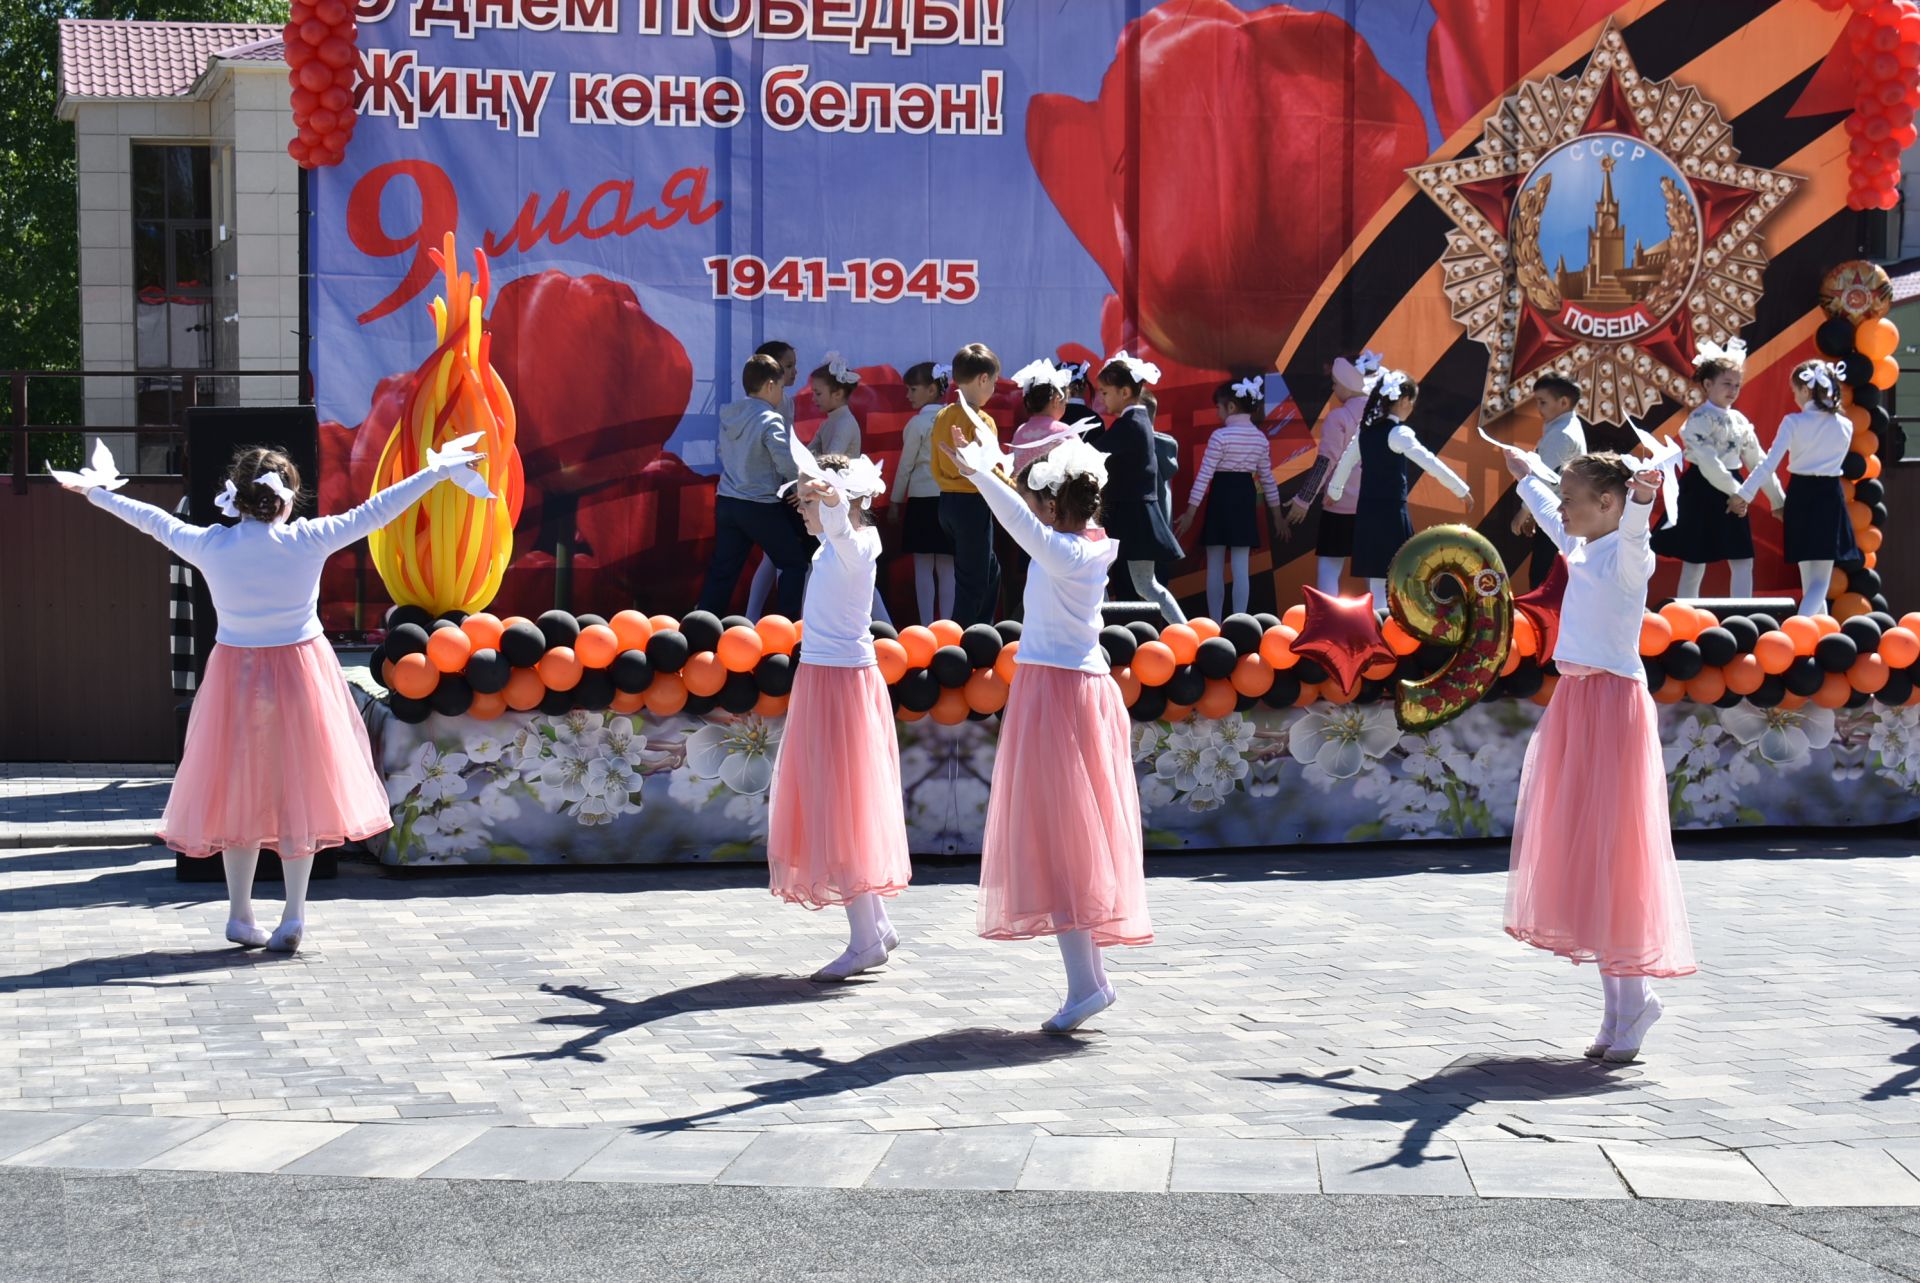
1063,852
276,754
837,830
1593,876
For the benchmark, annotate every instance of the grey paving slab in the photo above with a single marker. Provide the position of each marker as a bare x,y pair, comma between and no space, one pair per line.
1831,1175
522,1154
1527,1169
1106,1163
385,1150
1383,1167
22,1130
248,1145
114,1141
673,1158
830,1160
1219,1166
960,1159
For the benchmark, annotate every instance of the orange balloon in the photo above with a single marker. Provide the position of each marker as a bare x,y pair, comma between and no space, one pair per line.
1886,372
1871,558
985,692
920,643
414,676
1862,441
1206,628
1837,586
483,630
1791,701
1544,695
1869,541
1656,634
1252,676
1512,664
1182,641
1900,646
597,645
448,648
892,657
1331,692
386,673
1402,642
1007,661
1276,647
906,714
1869,673
951,708
524,690
1526,640
1859,416
1680,618
1706,686
666,694
1911,622
1128,683
1219,700
1826,623
703,674
1670,691
1775,652
1834,691
628,702
946,632
1381,669
511,620
1859,514
1802,631
1177,713
777,634
633,629
1849,604
740,649
1309,692
771,705
1154,663
1873,467
560,669
1744,675
1705,618
1876,338
663,623
1294,618
486,707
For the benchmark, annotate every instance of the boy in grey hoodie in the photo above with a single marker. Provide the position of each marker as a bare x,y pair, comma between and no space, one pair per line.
755,461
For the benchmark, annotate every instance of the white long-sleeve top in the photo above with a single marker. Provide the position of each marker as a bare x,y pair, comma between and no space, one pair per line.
1238,445
1563,440
1065,586
838,434
264,577
1719,440
1813,441
1606,585
913,478
1401,438
838,608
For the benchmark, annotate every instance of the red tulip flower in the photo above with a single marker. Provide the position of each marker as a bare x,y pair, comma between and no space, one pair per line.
1479,49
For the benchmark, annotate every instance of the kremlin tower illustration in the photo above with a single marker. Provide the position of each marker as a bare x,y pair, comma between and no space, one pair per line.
1608,280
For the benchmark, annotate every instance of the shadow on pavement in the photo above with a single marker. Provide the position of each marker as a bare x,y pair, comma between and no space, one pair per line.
617,1015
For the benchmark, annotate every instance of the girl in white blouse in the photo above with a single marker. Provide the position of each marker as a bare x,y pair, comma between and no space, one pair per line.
916,495
1813,442
1382,448
1719,442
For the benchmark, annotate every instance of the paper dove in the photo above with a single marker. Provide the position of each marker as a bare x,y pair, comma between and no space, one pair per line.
1665,456
858,482
102,472
1534,464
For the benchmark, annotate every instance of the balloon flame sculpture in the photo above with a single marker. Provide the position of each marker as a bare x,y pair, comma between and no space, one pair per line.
450,550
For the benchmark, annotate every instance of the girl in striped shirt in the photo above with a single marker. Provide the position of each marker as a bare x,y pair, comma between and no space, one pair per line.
1236,458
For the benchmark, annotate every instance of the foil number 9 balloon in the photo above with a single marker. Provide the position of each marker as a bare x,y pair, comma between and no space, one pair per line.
1448,586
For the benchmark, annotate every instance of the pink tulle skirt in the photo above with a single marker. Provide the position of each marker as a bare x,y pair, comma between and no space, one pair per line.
836,827
1063,849
276,757
1593,877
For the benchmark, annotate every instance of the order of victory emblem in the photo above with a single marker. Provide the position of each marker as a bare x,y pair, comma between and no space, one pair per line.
1604,225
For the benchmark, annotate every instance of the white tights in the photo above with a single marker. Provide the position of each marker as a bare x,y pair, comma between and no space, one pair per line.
1086,972
1217,555
1378,587
1326,574
933,585
241,862
1739,578
1815,578
1151,589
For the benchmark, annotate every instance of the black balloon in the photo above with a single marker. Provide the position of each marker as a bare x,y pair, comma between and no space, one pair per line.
488,671
1525,681
1728,699
740,693
1244,631
881,628
1862,628
1859,373
556,703
1216,658
1877,515
1151,704
1765,623
410,711
452,696
1866,582
1879,603
701,705
1834,338
1898,689
1146,632
1266,621
407,639
415,615
1858,699
1883,619
1119,643
1009,630
1804,676
559,627
632,671
1717,645
1769,693
918,690
702,630
1683,660
1186,686
440,624
587,621
1285,690
1242,703
1309,670
982,644
595,690
1834,653
1743,631
1655,670
523,644
735,621
949,667
774,673
667,651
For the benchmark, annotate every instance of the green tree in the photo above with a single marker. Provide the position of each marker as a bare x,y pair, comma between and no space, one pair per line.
40,290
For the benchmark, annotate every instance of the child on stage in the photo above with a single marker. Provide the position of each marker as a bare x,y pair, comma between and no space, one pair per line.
1131,504
963,514
832,386
1719,442
756,464
1334,542
1593,875
782,354
1235,461
276,755
836,831
1814,442
1563,438
1380,449
916,495
1063,850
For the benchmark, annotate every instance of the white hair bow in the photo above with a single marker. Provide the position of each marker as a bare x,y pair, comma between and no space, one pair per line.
858,482
1826,376
942,371
842,373
1034,373
272,481
1249,387
1071,458
224,501
458,456
1734,353
1079,369
1140,371
1389,383
101,473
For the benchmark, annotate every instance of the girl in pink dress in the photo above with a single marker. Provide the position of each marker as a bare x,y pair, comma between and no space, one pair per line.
1593,877
276,755
1063,851
837,829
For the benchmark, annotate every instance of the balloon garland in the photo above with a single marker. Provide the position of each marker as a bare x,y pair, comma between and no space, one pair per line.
1883,46
322,61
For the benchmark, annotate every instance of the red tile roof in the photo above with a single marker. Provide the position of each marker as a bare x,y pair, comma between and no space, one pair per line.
101,59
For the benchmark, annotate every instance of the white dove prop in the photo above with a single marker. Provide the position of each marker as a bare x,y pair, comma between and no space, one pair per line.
101,472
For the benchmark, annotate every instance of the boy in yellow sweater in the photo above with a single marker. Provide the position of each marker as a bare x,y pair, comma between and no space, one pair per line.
963,513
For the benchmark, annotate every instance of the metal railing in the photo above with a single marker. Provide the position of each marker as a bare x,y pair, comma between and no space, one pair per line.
21,430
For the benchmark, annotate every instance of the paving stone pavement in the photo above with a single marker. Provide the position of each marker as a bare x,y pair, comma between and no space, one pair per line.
48,803
1349,1021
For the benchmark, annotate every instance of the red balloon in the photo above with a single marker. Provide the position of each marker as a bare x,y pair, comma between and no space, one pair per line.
336,52
315,76
332,12
313,31
305,100
301,11
298,55
334,98
1890,92
309,135
344,76
1342,635
322,120
301,153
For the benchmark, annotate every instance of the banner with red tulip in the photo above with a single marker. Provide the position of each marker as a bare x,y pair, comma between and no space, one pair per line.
1223,188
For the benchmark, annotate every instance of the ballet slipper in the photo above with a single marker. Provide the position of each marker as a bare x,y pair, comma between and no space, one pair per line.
1627,1048
286,937
246,934
854,961
1075,1014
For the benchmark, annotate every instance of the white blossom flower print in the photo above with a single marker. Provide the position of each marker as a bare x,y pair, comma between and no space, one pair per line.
739,753
485,750
430,777
1784,738
1336,743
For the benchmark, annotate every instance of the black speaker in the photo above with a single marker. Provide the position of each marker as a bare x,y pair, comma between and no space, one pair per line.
214,435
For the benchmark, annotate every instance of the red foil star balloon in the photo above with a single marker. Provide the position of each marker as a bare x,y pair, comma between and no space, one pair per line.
1542,607
1342,635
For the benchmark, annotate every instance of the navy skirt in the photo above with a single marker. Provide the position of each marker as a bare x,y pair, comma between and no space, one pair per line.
1335,538
924,533
1141,529
1233,512
1706,532
1818,528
